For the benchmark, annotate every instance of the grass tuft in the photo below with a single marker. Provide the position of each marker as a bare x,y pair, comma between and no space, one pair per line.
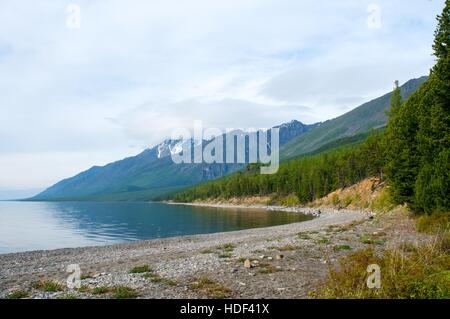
371,240
47,285
342,247
18,294
211,288
242,260
324,241
84,288
124,292
304,236
140,269
264,268
101,290
225,250
227,247
154,277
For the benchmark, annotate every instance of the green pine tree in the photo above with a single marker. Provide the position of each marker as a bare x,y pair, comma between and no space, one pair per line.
418,135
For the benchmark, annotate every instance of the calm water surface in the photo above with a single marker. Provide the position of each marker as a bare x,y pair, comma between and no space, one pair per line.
49,225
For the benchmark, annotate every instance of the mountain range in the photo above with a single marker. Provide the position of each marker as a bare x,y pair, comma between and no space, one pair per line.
152,173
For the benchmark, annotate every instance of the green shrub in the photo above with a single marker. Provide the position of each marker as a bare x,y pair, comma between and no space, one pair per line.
383,202
335,200
347,201
290,200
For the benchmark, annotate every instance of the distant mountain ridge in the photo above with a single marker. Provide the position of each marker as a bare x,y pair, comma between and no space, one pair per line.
370,115
150,173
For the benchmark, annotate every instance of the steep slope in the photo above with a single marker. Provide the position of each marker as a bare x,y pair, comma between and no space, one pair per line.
370,115
149,174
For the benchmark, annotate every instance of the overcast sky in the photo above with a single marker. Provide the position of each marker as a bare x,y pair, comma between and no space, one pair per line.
77,95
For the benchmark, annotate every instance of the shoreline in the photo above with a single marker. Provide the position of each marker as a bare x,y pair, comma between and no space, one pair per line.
325,214
180,259
314,211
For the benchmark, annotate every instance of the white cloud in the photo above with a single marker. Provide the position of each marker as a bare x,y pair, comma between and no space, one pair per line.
141,122
26,170
136,69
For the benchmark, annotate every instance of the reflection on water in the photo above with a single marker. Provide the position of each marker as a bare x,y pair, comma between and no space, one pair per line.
49,225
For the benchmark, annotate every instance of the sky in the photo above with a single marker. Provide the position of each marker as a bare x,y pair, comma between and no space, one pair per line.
87,82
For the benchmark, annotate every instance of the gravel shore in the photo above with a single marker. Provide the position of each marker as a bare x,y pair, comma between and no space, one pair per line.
274,208
283,262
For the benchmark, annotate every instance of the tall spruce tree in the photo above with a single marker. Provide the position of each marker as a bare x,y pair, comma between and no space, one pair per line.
418,135
432,188
396,100
401,155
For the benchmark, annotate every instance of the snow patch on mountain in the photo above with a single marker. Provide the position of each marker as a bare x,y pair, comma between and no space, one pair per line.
170,147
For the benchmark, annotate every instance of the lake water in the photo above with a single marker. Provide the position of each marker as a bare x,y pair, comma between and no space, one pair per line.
48,225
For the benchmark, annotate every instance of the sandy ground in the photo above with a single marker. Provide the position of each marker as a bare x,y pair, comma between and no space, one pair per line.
287,261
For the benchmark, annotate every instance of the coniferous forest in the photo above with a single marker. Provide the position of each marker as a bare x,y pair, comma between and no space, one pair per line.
417,138
307,178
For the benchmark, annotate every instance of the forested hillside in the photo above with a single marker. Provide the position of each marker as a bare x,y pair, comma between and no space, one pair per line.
307,178
368,116
413,153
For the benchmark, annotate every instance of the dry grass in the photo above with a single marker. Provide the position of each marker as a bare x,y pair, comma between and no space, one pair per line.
47,285
369,193
409,271
433,224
